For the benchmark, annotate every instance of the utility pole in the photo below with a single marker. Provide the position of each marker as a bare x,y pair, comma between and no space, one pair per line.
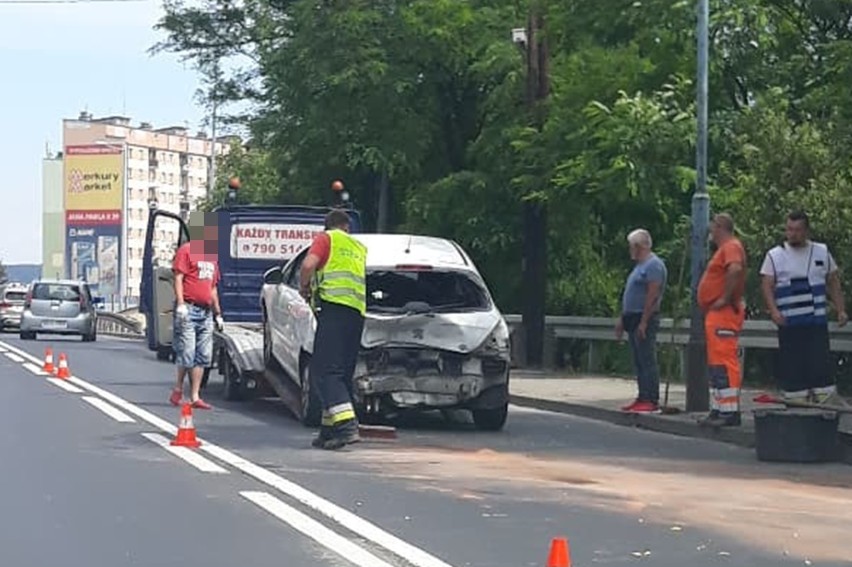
211,183
697,394
535,211
214,98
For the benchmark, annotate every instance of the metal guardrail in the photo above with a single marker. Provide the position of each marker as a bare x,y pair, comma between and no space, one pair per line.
117,325
755,334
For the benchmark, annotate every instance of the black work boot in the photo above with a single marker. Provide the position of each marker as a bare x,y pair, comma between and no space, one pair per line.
721,419
342,434
325,433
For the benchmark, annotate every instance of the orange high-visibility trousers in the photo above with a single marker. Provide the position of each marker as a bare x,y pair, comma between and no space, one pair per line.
722,329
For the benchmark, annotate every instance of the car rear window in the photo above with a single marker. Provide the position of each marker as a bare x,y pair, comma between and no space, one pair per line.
56,292
442,291
15,295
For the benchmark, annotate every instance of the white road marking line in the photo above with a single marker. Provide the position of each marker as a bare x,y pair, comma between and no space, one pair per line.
117,415
68,387
316,531
35,369
356,524
13,357
128,407
2,349
22,353
201,463
345,518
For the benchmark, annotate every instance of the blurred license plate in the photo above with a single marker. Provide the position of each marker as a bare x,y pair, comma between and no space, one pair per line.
54,324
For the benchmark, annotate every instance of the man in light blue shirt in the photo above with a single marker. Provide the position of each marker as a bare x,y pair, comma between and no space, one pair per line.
640,317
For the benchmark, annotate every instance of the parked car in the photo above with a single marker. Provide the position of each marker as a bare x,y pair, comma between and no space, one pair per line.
12,305
60,307
433,337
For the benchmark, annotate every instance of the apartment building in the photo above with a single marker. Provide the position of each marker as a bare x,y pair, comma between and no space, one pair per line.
164,167
52,217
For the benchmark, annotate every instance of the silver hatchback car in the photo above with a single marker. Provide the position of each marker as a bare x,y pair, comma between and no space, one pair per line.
12,298
59,307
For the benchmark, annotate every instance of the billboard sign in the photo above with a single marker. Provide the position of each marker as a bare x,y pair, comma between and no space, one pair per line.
93,256
93,194
94,179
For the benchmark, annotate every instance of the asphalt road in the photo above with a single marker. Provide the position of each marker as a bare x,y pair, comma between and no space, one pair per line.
87,483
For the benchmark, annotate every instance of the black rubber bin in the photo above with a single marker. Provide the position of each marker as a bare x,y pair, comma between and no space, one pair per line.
796,435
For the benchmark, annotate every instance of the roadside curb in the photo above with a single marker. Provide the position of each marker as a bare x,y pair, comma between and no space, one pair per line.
661,424
651,422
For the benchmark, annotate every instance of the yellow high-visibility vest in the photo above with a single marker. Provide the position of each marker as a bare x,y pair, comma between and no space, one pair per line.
343,278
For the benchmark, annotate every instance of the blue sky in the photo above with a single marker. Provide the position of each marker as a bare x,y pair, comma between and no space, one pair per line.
59,59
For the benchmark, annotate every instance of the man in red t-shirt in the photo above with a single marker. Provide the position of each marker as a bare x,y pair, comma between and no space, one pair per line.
196,272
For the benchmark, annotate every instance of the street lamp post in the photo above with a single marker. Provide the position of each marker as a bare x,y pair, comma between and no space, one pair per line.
697,394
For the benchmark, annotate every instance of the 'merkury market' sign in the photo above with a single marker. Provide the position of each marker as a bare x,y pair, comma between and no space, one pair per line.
84,182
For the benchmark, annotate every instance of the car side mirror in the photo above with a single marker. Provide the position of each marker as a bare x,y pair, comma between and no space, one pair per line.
272,276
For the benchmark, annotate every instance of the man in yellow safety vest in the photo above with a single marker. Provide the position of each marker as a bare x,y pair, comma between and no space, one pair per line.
333,280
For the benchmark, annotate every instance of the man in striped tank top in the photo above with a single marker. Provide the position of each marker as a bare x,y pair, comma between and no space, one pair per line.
797,278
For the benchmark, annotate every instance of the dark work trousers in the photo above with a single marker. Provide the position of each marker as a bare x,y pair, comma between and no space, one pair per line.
803,357
336,344
644,353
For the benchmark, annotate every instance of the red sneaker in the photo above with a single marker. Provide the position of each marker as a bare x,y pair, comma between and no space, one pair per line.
201,404
176,397
630,406
645,407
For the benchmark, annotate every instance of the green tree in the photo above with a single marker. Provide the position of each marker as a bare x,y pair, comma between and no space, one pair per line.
260,182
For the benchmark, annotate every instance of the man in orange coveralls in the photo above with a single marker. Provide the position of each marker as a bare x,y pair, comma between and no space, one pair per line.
720,297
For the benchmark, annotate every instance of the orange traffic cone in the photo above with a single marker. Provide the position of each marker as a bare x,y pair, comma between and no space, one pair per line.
62,371
560,555
48,360
186,430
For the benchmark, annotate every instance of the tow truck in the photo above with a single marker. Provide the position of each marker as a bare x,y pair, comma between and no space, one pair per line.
251,240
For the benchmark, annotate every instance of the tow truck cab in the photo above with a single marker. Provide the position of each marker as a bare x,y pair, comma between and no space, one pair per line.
252,239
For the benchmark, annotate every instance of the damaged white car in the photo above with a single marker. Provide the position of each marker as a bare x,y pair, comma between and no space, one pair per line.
433,338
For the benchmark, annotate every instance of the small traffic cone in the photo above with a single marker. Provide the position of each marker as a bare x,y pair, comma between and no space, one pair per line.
186,430
560,554
62,371
48,361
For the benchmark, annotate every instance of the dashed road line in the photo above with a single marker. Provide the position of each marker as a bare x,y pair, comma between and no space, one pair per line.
66,386
116,414
367,530
316,531
201,463
35,369
345,518
13,357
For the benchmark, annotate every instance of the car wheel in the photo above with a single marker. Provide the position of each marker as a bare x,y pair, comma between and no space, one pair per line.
205,377
234,390
492,419
27,336
267,341
311,407
164,353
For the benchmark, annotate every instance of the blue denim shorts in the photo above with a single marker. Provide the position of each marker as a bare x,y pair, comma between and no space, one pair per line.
192,339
